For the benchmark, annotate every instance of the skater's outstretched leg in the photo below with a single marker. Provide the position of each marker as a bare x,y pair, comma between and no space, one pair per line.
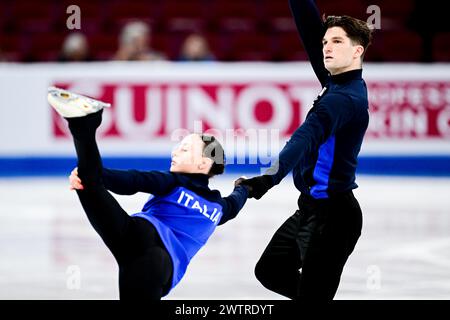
84,116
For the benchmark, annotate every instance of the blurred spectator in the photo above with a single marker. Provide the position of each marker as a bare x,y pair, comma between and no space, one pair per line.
196,48
134,43
75,48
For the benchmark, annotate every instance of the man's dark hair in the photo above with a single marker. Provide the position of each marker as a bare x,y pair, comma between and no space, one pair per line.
357,30
213,150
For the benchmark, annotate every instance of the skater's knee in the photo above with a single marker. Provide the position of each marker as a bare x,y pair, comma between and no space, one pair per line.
276,280
263,272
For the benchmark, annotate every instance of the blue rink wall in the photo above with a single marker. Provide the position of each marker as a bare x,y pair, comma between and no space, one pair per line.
371,165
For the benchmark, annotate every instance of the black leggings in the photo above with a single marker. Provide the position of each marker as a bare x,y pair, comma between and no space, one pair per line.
145,267
306,256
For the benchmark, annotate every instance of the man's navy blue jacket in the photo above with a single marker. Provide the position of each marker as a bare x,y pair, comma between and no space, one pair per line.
323,151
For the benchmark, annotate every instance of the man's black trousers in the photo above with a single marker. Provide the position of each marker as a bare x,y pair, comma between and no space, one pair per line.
306,256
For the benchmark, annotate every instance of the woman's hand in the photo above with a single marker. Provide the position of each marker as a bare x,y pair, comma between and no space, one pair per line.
241,179
75,181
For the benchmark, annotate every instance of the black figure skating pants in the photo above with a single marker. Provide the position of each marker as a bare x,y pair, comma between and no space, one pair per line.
145,267
305,258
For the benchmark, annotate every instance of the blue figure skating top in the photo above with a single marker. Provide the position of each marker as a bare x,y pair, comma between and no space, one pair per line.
322,153
181,207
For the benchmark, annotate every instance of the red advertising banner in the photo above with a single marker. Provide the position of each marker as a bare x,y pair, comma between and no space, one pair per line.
411,110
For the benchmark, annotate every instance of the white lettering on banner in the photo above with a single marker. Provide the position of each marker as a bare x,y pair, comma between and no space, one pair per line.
216,113
443,122
384,96
125,118
402,110
170,108
398,123
435,98
408,109
304,97
447,96
173,109
416,97
247,100
424,90
408,122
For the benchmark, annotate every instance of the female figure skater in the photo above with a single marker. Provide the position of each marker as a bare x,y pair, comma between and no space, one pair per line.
153,247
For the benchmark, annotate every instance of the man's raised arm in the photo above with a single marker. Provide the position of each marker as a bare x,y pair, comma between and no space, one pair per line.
311,29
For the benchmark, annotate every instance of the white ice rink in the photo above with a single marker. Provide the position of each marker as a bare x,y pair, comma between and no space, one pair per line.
48,250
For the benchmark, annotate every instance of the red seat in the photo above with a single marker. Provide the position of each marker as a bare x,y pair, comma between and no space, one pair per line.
180,24
52,41
11,47
250,47
103,55
243,15
185,9
167,43
5,14
402,46
11,42
189,15
101,43
441,47
12,56
288,47
47,56
123,12
32,9
39,48
219,44
278,15
135,10
354,8
103,46
33,16
253,56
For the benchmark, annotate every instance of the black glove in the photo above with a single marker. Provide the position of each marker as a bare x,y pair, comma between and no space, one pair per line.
256,186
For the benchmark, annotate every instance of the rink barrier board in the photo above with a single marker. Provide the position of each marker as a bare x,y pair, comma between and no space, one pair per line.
371,165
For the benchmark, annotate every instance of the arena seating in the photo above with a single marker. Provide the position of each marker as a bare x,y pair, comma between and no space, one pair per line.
254,30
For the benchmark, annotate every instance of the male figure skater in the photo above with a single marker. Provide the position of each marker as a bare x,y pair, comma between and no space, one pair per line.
306,256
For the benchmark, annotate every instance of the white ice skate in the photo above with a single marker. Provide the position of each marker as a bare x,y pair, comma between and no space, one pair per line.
72,105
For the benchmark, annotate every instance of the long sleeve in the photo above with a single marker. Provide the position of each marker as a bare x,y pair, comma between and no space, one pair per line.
233,203
330,114
310,28
128,182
